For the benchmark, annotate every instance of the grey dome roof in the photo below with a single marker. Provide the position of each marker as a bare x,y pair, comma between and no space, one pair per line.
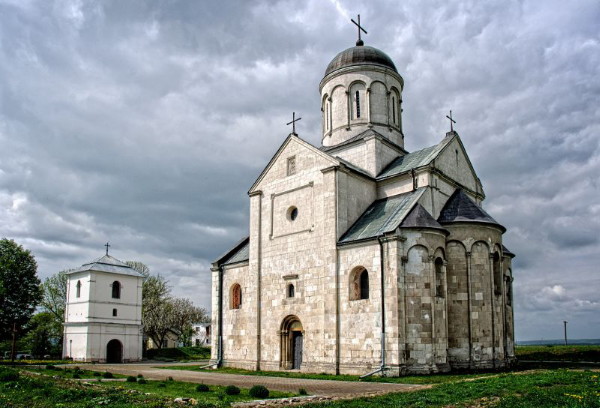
361,54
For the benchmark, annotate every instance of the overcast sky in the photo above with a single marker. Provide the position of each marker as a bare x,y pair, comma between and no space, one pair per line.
145,123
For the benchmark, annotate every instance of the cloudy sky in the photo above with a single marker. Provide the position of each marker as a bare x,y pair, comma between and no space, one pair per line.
145,123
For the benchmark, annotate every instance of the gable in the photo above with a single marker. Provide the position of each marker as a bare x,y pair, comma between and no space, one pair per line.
307,157
454,163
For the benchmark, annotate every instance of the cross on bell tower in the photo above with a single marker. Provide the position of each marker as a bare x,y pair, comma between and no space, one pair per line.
107,245
360,41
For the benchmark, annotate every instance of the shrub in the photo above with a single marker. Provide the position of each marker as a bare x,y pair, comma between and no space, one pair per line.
50,367
142,381
170,379
202,388
97,374
108,374
76,375
161,385
302,391
131,378
232,390
7,374
259,391
140,376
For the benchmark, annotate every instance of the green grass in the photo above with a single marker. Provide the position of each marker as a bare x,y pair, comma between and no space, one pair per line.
52,390
68,372
414,379
550,388
558,353
179,353
35,362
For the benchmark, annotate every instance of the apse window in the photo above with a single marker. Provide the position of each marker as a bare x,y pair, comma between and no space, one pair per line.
114,312
291,166
292,213
291,292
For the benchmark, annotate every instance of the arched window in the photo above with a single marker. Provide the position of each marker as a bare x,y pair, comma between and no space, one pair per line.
236,296
509,294
78,286
357,104
114,312
394,110
439,278
116,290
497,274
359,284
291,291
364,285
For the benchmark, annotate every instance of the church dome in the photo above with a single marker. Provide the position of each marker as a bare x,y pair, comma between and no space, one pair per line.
361,54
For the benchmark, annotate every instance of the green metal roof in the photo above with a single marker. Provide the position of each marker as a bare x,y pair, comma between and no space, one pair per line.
413,160
242,254
384,215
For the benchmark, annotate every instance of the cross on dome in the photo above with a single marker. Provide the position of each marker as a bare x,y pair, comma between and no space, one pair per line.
360,41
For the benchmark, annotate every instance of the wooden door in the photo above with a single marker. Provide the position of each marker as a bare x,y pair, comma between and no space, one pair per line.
297,350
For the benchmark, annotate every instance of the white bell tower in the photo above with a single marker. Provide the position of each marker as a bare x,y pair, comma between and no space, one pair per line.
103,313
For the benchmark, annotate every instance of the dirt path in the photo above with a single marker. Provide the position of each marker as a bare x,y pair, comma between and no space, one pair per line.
343,389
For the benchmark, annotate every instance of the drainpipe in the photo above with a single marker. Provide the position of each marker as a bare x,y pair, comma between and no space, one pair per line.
220,325
382,367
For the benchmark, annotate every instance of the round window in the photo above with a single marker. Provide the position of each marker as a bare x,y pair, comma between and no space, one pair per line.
292,213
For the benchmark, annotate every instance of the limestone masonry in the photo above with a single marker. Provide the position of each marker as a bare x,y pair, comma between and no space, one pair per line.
363,257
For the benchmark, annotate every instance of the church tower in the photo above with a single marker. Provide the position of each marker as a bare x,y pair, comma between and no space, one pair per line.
103,313
361,101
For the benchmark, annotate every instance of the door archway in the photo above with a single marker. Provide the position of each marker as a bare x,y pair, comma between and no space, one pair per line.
291,343
114,351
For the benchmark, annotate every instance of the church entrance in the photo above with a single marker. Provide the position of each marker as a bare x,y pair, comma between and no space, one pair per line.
292,343
114,351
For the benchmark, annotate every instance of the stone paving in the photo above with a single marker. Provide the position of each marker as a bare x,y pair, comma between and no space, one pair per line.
330,388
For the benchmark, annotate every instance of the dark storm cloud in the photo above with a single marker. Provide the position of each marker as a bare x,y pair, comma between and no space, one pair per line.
145,123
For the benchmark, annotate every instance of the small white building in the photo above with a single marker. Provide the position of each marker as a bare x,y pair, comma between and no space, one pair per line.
103,314
201,336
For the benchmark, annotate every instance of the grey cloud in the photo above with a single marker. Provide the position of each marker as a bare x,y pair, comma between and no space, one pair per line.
145,124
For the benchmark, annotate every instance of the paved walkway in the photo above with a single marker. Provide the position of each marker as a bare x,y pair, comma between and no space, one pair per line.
344,389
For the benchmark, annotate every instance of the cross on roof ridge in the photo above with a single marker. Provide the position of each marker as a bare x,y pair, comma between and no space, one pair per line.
293,123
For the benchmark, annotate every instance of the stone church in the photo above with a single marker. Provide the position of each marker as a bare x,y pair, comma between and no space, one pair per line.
364,258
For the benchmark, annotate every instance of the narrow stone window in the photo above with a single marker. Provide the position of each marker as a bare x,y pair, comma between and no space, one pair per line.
116,290
78,286
291,165
364,285
291,291
497,275
357,104
394,110
114,312
509,295
439,278
236,296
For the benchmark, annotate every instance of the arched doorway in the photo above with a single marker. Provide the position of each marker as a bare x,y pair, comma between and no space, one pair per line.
114,351
291,343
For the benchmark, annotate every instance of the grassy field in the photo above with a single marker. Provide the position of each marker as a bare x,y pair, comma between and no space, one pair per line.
558,353
549,388
45,388
179,354
415,379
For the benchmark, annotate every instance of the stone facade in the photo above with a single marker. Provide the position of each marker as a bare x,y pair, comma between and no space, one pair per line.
363,257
